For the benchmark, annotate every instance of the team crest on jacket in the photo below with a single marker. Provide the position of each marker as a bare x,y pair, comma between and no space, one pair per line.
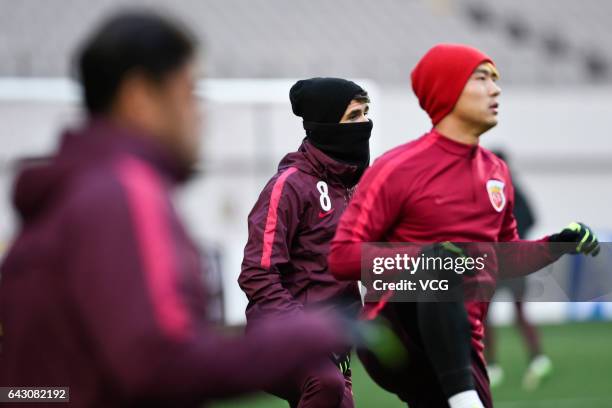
495,188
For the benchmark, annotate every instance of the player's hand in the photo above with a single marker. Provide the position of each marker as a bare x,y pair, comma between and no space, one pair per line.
448,249
342,361
576,232
377,337
444,249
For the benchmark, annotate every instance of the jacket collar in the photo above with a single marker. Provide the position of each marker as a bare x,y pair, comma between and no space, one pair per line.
107,136
452,146
313,161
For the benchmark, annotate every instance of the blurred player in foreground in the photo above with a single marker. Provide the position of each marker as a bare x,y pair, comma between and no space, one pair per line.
442,187
540,365
101,290
284,270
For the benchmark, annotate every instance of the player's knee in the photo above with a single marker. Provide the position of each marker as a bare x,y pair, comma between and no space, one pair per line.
328,386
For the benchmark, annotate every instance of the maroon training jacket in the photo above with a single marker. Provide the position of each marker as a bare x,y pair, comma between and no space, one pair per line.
290,230
102,289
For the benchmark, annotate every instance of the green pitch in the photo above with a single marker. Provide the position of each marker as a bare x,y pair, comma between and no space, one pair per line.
582,375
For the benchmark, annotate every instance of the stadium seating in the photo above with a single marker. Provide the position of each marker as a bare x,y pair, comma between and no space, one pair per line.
544,41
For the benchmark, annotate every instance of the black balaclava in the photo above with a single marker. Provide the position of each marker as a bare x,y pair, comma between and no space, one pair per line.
321,102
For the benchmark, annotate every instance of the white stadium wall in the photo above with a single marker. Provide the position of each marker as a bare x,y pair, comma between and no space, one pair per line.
558,140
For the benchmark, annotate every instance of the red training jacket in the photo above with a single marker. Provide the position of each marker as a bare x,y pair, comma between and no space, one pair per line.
434,189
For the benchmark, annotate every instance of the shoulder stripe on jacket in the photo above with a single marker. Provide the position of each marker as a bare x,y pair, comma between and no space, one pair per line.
380,178
270,229
149,210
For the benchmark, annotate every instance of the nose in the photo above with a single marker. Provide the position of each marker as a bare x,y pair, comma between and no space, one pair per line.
495,90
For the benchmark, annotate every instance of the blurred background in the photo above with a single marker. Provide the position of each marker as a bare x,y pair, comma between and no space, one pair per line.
555,120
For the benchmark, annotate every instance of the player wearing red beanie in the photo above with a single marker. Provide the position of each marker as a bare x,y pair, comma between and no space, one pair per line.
442,187
440,76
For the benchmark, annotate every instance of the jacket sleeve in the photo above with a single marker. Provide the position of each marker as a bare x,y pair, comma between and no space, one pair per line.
375,207
122,274
516,256
272,225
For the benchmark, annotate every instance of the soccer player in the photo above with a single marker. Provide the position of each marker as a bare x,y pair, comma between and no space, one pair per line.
441,187
284,271
101,290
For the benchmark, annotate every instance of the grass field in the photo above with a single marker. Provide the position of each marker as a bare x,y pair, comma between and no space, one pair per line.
582,376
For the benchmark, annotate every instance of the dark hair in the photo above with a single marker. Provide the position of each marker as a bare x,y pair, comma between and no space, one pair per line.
128,41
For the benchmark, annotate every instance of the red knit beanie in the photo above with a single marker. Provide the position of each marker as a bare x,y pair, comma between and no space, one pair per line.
440,76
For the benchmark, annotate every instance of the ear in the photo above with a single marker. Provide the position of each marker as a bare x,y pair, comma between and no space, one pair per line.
133,95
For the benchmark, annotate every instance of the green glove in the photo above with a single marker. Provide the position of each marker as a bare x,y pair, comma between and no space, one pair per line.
379,338
448,248
582,235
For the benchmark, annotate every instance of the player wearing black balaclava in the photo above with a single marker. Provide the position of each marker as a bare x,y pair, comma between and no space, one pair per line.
284,270
322,102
